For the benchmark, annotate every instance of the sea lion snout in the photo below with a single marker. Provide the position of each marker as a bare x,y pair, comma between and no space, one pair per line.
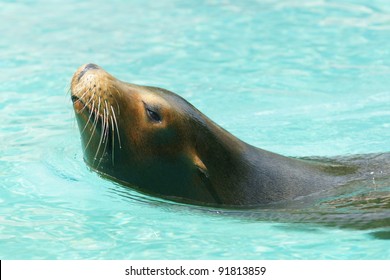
87,67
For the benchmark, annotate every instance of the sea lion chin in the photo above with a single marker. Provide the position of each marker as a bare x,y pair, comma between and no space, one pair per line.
155,141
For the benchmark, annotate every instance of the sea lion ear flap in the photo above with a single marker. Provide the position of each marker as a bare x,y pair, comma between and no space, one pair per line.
200,165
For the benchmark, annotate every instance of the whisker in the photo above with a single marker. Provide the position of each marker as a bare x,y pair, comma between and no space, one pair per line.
107,128
82,96
93,128
97,111
113,141
105,133
100,142
105,124
98,107
107,113
117,104
117,128
86,104
89,118
86,91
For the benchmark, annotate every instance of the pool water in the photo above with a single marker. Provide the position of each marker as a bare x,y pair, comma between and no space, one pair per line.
300,78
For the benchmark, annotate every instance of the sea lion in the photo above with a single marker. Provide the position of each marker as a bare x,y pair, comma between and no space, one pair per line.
154,140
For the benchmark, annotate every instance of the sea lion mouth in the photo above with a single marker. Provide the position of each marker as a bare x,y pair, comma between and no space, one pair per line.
77,103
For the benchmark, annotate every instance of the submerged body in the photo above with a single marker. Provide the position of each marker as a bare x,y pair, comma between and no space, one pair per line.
154,140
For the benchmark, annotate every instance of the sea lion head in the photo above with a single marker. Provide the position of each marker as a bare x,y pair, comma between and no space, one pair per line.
142,136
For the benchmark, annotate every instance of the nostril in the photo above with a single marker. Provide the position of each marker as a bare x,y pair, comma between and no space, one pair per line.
90,66
87,67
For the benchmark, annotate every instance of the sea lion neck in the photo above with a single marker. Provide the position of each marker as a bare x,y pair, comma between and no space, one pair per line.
220,151
271,173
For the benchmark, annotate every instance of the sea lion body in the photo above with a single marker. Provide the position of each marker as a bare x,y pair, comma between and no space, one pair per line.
154,140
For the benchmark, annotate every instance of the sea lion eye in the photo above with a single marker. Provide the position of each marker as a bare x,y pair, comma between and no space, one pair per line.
153,115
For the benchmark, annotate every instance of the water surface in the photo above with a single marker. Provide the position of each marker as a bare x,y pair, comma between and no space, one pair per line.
300,78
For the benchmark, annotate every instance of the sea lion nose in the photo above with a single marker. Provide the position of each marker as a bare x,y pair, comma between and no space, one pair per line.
87,67
90,66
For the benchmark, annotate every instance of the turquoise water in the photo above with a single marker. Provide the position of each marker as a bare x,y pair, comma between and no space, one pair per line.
299,78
